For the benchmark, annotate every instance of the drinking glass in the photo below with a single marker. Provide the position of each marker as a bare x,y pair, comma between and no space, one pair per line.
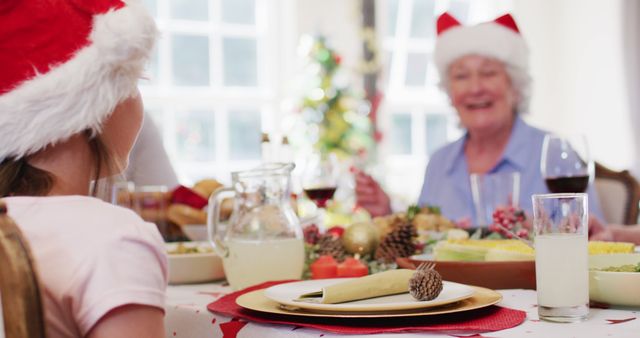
320,181
151,203
560,225
566,165
122,194
491,191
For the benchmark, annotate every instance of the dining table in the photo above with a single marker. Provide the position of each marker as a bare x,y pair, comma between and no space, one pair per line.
187,316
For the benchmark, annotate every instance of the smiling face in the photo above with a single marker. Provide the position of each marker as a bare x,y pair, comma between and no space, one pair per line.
481,91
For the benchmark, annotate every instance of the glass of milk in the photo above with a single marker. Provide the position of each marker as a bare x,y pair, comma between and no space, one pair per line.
560,225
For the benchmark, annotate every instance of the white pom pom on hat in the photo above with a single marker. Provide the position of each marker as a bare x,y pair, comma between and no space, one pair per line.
500,39
66,65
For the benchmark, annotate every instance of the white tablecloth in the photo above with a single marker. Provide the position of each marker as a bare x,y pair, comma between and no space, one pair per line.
187,316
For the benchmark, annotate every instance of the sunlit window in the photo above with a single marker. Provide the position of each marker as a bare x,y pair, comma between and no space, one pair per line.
209,83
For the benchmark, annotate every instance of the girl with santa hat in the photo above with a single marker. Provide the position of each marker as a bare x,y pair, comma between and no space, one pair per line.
70,112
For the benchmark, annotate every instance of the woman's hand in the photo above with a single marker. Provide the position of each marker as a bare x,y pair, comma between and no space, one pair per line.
370,195
614,232
599,231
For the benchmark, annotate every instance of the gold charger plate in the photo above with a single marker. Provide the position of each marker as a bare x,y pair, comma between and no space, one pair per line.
257,301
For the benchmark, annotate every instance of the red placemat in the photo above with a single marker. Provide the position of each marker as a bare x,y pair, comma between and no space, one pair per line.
491,318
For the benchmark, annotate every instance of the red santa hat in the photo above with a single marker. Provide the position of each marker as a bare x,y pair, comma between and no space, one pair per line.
66,64
500,39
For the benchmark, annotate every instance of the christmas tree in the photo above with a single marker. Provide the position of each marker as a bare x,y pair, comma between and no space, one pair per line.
336,120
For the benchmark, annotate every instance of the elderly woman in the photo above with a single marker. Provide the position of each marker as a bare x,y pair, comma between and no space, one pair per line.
484,70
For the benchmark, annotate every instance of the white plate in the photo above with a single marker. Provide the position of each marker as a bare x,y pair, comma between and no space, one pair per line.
194,267
288,292
257,301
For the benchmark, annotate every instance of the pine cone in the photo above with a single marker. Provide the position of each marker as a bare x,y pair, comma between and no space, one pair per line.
426,283
329,244
398,243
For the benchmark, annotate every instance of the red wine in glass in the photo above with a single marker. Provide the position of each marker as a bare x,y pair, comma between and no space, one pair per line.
565,164
571,184
320,195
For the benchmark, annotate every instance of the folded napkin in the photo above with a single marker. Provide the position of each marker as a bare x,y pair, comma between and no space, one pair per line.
380,284
491,318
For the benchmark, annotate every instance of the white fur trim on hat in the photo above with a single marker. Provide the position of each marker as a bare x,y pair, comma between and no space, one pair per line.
83,91
487,39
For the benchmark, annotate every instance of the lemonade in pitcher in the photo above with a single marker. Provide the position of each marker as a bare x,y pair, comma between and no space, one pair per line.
263,241
253,262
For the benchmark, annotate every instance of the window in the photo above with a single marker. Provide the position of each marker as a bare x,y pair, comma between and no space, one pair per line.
209,86
400,134
417,114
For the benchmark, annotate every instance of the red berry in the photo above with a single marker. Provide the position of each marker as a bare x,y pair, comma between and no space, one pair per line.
336,231
311,234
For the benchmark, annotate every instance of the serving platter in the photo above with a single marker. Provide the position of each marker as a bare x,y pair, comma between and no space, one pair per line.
493,275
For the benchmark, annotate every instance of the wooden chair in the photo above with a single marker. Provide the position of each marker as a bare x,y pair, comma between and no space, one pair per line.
619,195
19,289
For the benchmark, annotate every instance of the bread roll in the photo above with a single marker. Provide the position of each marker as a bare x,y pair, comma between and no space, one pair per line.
183,214
206,187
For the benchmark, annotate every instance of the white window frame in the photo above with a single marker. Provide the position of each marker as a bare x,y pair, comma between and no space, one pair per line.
166,100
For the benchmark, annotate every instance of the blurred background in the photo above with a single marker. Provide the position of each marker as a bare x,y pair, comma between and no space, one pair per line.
228,74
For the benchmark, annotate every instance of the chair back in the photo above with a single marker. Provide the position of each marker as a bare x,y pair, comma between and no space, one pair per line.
22,310
618,194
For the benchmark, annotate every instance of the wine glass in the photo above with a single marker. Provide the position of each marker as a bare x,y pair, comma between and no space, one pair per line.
320,181
566,165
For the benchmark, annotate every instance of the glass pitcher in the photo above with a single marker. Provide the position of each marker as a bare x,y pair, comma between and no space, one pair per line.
263,240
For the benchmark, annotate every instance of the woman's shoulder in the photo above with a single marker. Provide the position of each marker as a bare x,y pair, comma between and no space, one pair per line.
529,131
447,153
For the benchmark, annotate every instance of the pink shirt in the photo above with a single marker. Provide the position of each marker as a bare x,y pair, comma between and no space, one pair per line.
91,257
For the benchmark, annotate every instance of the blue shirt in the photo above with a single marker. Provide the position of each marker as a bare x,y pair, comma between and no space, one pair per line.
446,180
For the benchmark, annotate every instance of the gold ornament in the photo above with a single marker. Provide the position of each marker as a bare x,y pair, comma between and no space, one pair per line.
360,238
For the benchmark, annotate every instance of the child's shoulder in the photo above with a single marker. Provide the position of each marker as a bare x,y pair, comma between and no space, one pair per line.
80,215
109,218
